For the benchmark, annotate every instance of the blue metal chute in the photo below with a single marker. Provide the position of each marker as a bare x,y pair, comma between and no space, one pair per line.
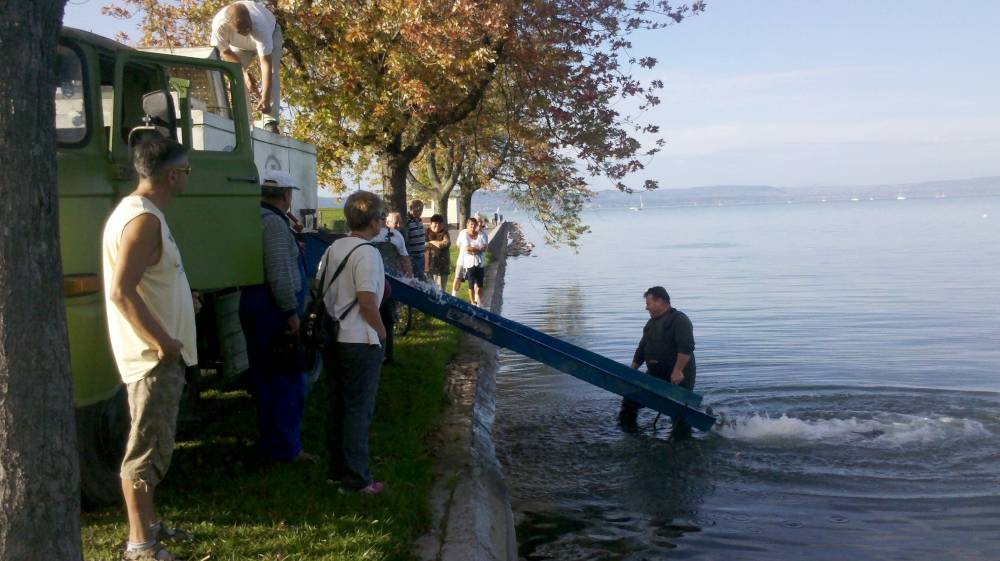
677,402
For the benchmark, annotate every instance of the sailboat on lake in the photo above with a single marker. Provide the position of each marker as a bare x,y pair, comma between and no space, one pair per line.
637,208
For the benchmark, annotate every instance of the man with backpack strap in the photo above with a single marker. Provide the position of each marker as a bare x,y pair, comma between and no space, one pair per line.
354,362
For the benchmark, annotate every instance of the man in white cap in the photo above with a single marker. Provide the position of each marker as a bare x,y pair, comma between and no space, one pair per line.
242,32
269,314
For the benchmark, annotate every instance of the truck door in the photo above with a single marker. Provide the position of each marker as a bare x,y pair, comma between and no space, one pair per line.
86,197
216,221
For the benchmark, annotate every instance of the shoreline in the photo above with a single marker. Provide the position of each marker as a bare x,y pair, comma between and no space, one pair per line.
470,500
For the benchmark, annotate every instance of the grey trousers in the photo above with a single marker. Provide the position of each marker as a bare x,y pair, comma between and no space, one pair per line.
353,372
248,57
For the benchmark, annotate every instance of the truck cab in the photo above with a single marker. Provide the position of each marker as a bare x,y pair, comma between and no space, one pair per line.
104,96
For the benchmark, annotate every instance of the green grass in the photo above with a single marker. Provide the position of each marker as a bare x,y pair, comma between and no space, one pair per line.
327,217
241,509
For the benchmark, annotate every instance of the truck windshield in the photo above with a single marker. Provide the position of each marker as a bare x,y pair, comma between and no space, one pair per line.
209,97
71,114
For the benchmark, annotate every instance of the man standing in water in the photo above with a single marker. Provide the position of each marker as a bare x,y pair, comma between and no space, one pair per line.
667,349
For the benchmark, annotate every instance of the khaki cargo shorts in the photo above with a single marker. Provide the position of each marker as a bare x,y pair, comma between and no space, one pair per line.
153,403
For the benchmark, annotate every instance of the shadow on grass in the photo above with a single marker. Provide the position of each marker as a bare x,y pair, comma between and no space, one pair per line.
242,508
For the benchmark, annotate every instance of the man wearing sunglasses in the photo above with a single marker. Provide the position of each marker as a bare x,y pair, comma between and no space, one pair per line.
151,325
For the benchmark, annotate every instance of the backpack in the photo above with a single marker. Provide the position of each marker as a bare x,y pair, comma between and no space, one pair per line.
319,329
390,254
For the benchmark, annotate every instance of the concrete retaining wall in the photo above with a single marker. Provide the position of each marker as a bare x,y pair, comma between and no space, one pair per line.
472,519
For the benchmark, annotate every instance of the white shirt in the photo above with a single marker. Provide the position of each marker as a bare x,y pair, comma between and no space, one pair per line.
396,239
163,287
363,273
464,240
224,36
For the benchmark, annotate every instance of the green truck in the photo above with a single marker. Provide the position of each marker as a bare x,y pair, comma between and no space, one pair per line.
104,98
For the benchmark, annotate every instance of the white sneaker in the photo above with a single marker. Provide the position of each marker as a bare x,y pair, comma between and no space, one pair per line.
453,293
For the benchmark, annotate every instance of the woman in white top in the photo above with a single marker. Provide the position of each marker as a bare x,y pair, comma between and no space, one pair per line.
472,244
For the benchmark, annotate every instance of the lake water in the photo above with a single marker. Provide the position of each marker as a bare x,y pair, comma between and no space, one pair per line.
853,350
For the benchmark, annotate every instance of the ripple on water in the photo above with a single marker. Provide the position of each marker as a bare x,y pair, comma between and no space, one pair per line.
802,469
786,468
876,442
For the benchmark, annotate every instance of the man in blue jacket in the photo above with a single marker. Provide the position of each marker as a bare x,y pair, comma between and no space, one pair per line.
269,314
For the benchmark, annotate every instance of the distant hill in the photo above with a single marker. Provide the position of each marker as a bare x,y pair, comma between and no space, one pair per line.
756,194
702,195
488,201
975,187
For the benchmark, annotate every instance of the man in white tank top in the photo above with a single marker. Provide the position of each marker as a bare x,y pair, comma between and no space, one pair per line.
152,330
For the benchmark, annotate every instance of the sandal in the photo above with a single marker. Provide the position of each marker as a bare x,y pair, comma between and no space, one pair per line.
155,553
172,534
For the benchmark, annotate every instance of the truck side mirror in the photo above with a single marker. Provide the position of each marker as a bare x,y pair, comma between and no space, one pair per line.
159,107
159,118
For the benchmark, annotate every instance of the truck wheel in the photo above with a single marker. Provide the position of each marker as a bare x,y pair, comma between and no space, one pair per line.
102,433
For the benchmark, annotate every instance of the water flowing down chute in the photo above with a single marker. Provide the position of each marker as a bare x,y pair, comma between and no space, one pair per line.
679,403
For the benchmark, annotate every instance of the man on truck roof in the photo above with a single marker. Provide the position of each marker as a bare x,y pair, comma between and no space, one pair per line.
151,325
242,32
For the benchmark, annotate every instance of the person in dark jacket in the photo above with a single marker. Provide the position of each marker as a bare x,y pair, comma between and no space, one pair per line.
269,314
438,263
667,350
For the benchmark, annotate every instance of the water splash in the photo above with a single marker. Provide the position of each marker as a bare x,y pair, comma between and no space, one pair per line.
887,430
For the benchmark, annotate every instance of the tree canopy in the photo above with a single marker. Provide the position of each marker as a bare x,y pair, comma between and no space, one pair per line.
374,82
500,147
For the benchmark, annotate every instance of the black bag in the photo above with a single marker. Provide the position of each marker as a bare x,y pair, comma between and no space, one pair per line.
319,329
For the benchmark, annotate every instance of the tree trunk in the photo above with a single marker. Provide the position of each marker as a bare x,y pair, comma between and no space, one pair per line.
395,170
466,188
439,186
39,476
441,203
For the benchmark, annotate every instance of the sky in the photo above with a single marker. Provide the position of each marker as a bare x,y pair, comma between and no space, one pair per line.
809,92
